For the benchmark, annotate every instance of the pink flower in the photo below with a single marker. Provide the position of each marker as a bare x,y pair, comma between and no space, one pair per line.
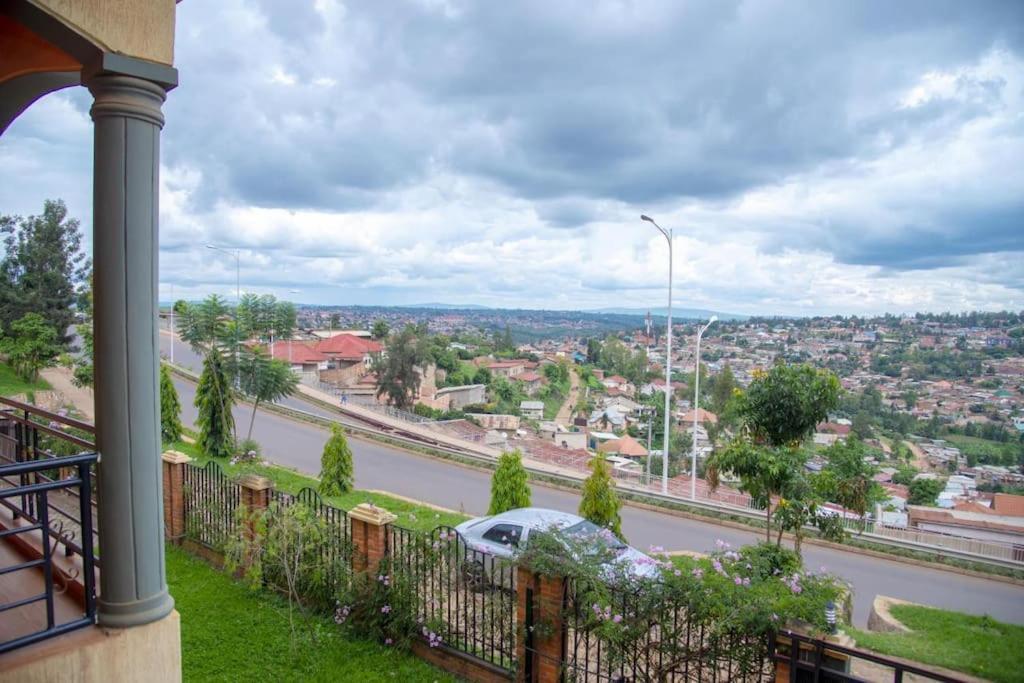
738,581
386,609
698,573
617,618
388,641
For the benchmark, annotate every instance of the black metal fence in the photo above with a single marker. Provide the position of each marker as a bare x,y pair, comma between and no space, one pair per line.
211,500
39,489
467,597
811,660
336,549
628,636
31,434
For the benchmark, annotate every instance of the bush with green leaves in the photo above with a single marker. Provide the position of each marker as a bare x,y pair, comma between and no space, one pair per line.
30,345
170,408
925,491
598,502
247,450
337,474
382,606
214,401
509,484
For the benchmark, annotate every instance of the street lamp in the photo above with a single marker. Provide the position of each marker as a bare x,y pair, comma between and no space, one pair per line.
667,234
238,292
696,408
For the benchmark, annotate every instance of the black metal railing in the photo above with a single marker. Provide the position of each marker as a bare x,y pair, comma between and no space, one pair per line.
336,549
54,579
811,660
211,499
652,640
32,434
465,596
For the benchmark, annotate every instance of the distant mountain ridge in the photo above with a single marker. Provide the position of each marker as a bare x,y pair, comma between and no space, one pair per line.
677,313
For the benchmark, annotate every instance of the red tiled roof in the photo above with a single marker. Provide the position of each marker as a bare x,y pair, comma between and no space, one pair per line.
348,347
506,364
529,377
297,352
833,428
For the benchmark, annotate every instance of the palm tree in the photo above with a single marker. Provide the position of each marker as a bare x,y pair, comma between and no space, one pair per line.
264,379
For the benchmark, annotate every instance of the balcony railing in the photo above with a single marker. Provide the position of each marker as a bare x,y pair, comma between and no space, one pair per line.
46,504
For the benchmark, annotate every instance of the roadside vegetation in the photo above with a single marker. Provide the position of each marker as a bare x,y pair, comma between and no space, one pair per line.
231,633
980,646
12,385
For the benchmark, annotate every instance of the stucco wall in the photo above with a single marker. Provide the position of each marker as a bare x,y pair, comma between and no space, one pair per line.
136,28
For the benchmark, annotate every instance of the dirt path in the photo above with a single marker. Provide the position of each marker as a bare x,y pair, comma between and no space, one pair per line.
920,460
564,416
80,397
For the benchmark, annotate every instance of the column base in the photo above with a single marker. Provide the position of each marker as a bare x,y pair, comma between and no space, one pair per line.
128,614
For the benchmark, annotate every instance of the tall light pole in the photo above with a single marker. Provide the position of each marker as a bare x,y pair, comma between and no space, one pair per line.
696,409
238,294
667,234
172,323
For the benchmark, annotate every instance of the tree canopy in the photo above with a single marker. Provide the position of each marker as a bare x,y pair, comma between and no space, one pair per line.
509,487
398,374
30,344
599,503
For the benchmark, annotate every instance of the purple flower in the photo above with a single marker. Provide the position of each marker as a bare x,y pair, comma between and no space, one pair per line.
738,581
698,573
386,609
617,618
677,572
388,641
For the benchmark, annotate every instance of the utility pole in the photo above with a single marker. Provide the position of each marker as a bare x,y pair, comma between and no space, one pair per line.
667,234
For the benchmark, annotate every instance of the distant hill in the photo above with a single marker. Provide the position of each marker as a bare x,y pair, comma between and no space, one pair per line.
447,307
677,313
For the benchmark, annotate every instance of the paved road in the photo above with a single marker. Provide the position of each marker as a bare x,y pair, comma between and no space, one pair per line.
377,466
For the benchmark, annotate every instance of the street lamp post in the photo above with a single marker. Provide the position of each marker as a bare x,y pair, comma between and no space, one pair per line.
238,294
696,409
172,323
667,234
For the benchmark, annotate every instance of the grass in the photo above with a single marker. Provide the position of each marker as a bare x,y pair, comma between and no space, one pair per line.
231,633
11,384
410,515
979,646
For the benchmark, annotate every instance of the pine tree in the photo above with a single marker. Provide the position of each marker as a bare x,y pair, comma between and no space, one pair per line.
42,264
170,408
600,504
509,489
336,470
214,400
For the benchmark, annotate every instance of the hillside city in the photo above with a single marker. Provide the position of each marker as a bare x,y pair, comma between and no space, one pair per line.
441,341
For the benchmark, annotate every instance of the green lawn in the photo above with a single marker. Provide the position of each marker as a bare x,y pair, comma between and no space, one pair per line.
410,515
979,646
231,633
11,384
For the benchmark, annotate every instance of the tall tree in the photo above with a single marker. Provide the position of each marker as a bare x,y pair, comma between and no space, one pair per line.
214,401
599,503
509,487
206,324
336,471
398,376
264,380
170,408
30,344
722,387
42,265
83,370
780,409
380,329
848,478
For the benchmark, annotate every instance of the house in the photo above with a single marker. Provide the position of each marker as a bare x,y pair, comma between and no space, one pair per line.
532,410
531,381
702,416
623,404
607,418
348,358
302,357
506,368
625,446
619,382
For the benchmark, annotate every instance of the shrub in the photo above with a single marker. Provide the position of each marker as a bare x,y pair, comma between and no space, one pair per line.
767,560
170,408
509,488
382,607
599,502
336,470
246,450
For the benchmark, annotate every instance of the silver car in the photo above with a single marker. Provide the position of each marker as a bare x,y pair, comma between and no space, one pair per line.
504,534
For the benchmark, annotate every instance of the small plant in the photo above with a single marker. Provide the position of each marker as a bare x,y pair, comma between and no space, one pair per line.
599,502
336,470
509,487
247,450
381,606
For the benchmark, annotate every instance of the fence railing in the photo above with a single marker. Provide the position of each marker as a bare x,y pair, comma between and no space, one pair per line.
812,660
659,642
466,596
36,487
32,434
211,500
336,550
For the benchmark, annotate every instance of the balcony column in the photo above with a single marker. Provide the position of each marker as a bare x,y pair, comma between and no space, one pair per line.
127,118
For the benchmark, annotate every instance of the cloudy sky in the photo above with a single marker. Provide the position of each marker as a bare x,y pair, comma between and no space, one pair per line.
812,157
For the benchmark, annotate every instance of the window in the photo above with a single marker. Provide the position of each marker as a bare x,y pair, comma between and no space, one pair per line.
504,534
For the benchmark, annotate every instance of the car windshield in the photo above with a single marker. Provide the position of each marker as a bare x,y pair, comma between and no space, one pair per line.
590,529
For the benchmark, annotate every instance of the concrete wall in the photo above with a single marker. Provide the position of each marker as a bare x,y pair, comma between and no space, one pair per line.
136,28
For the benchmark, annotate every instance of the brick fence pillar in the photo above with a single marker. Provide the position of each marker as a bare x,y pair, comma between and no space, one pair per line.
174,464
369,536
255,498
540,615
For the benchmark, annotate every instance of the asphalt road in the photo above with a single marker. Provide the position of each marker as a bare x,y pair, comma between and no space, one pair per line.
298,445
